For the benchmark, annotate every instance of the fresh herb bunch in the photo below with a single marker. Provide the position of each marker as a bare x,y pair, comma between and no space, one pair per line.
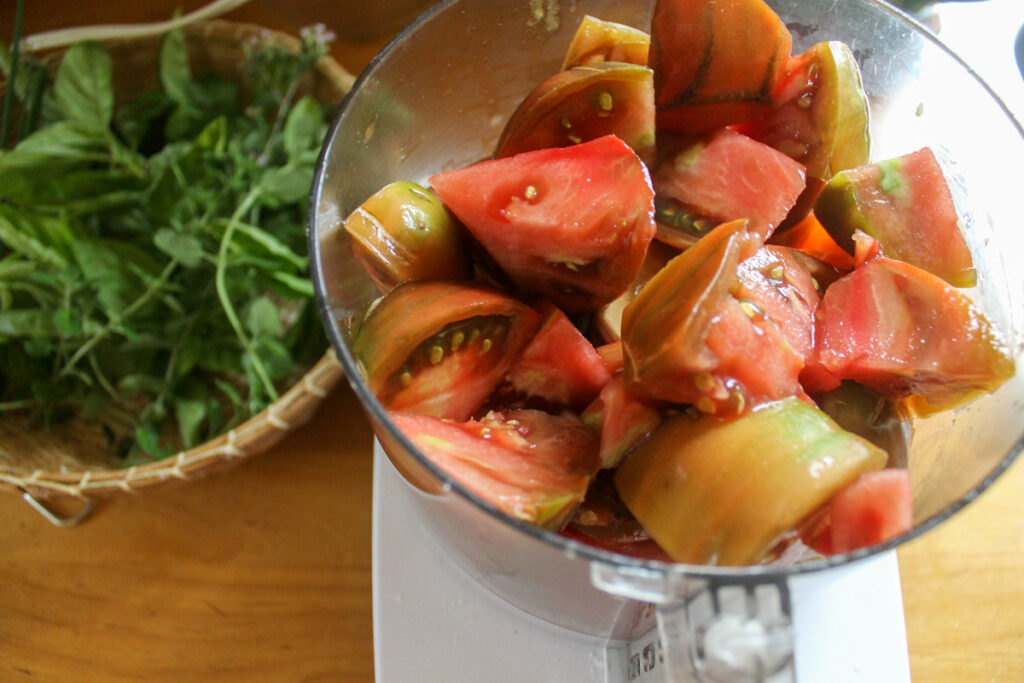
153,274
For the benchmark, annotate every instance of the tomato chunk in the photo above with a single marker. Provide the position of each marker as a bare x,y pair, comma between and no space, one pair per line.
902,331
716,62
875,508
722,491
906,204
688,339
585,103
621,419
559,365
598,41
530,465
726,177
439,348
571,225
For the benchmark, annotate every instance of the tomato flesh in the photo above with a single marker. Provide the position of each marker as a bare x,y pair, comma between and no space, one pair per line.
559,365
530,465
729,176
439,348
571,225
902,331
876,507
716,62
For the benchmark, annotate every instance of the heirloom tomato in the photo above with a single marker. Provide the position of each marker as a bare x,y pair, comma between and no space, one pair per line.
530,465
439,348
569,224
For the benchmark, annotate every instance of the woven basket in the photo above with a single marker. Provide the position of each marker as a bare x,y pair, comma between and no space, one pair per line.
67,464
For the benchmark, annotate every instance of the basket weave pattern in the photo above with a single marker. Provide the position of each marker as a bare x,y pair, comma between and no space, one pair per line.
69,461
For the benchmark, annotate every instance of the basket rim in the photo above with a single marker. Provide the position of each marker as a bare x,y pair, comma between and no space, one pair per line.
257,434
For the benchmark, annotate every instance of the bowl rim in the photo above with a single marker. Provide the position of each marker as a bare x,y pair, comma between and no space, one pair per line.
743,574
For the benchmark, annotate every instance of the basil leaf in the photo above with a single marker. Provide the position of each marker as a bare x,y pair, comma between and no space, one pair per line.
175,72
304,128
84,88
182,246
263,319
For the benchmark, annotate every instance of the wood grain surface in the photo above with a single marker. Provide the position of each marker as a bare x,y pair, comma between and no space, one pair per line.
263,572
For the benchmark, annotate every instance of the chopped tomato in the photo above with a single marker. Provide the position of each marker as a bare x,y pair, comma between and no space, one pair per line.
723,491
621,419
530,465
820,115
716,62
598,41
906,204
875,508
902,331
585,103
688,339
571,224
725,177
559,365
439,348
810,237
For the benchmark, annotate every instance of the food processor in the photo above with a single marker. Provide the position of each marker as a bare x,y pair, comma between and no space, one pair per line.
462,592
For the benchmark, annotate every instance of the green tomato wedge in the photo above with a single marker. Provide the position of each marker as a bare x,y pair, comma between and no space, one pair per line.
404,233
585,103
820,117
727,491
598,41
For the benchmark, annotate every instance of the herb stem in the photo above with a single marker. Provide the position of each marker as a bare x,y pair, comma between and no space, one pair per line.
12,81
129,310
225,300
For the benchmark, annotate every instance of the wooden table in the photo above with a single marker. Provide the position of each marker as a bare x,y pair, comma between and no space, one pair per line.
263,572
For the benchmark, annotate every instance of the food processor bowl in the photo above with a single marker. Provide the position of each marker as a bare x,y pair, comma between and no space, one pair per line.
437,98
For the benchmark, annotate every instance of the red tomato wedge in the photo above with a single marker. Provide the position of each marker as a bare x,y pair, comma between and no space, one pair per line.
906,204
716,62
875,508
439,348
530,465
902,331
688,339
571,224
729,176
559,365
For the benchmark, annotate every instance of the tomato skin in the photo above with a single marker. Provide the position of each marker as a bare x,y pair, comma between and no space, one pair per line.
688,339
716,62
728,176
571,225
901,331
530,465
722,491
454,381
559,365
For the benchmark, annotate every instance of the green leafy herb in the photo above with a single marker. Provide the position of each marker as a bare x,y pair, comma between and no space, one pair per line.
152,256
